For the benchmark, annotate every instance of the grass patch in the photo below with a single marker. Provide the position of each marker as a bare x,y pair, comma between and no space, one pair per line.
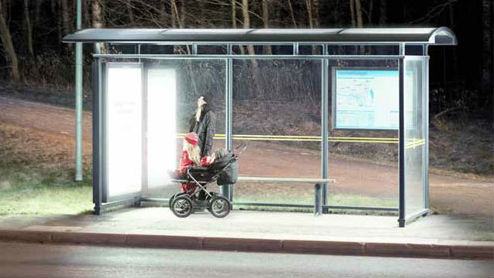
42,192
36,177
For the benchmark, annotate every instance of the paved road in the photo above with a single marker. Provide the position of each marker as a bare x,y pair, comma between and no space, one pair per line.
38,260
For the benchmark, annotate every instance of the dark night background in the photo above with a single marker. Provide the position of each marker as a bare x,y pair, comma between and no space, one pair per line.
456,73
36,65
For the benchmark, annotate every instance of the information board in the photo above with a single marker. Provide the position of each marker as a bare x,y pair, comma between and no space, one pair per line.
365,99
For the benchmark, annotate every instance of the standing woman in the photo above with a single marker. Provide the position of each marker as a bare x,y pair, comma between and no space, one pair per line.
203,123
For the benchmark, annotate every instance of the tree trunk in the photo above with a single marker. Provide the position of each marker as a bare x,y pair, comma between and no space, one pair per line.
308,5
65,17
182,15
234,22
369,13
265,18
246,25
8,46
98,19
250,49
29,31
130,13
234,14
292,14
97,10
383,11
174,13
352,13
315,13
487,63
358,11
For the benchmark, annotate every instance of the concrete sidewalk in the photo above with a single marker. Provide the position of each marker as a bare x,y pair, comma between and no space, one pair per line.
435,236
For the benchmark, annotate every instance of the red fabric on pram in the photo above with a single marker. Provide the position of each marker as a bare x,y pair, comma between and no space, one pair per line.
185,163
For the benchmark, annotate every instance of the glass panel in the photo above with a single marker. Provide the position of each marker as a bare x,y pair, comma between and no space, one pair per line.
276,112
364,162
123,129
414,135
161,125
192,78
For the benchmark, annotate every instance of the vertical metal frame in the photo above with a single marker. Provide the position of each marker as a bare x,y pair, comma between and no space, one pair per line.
144,127
97,137
401,132
425,111
324,126
226,190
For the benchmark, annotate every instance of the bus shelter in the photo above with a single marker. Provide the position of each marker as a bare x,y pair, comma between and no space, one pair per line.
292,94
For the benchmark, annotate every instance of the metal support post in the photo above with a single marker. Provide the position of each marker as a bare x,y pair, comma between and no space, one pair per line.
324,128
227,189
401,100
78,99
425,112
317,199
97,137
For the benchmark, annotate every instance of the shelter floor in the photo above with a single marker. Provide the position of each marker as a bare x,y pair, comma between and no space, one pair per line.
433,229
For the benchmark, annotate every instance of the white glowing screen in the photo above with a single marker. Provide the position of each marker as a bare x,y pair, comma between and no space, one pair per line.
124,129
161,126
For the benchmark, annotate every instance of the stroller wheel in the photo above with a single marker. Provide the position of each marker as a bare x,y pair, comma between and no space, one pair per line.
182,206
219,206
173,198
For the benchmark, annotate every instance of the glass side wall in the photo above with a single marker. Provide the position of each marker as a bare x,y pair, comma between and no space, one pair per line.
277,114
363,133
172,88
415,127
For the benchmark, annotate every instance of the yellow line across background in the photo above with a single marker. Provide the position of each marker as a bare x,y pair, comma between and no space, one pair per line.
305,138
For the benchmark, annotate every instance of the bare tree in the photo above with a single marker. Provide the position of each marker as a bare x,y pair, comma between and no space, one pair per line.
265,19
98,20
246,25
358,11
315,6
308,5
66,26
174,12
383,12
292,14
8,46
234,13
352,12
97,12
130,12
29,32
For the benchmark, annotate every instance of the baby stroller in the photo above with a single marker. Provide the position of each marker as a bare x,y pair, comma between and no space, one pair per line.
195,196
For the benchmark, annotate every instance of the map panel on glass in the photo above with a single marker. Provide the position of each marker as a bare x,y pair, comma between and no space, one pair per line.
365,99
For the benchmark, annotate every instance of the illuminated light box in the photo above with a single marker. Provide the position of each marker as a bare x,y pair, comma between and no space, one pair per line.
365,99
161,126
123,129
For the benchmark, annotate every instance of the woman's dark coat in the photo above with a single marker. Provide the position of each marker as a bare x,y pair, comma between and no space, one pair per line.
205,129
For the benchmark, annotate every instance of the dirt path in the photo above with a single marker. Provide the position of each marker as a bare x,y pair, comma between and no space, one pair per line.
448,193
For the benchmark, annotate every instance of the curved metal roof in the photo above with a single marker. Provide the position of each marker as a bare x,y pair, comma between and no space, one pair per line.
432,36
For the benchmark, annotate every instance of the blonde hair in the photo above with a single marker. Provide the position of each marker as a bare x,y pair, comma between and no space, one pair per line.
193,151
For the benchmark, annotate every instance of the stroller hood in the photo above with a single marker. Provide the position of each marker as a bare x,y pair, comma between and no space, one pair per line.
227,163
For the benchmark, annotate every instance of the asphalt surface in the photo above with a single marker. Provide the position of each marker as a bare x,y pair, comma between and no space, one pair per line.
38,260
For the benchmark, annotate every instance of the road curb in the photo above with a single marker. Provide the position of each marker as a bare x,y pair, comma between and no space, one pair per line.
481,252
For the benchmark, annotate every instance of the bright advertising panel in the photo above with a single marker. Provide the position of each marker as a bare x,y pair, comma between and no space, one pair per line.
365,99
123,129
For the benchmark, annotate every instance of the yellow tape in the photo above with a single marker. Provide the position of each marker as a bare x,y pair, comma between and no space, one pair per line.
304,138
